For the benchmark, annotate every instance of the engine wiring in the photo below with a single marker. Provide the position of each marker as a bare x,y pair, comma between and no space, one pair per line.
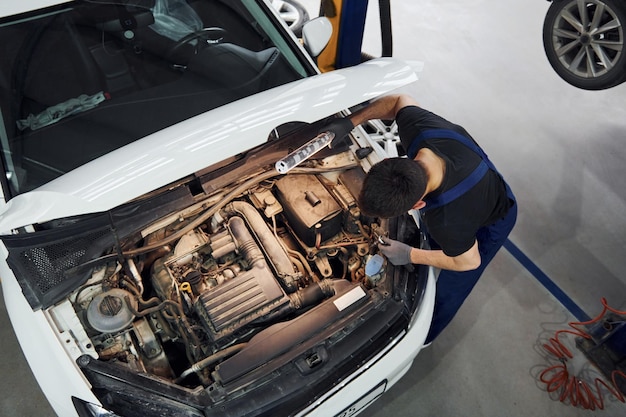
263,176
572,388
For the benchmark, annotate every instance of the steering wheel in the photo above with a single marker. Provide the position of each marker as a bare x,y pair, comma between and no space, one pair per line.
211,35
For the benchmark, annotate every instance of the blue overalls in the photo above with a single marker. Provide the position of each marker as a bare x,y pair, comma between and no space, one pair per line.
453,287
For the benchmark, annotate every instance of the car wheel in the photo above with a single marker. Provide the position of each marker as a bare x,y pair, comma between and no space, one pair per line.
385,133
293,13
584,42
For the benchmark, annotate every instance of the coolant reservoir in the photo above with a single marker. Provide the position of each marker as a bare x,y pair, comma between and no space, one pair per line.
374,268
108,312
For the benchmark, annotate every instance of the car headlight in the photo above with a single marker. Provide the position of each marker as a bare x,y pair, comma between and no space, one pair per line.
85,409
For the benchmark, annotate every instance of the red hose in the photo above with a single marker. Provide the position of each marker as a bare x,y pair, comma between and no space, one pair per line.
573,389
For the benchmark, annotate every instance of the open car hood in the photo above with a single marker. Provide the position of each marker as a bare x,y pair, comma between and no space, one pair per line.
180,150
8,8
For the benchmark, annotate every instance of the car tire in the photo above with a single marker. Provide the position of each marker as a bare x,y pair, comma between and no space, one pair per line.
293,13
590,55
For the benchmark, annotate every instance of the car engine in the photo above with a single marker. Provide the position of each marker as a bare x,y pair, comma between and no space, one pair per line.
266,254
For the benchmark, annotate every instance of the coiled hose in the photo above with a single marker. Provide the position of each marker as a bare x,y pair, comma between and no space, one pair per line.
558,378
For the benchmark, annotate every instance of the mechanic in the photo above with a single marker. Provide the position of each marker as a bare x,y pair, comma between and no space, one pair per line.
466,205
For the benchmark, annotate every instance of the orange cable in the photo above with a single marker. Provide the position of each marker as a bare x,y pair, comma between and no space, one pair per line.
572,388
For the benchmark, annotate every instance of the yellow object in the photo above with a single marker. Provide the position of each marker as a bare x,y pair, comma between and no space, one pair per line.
332,10
186,287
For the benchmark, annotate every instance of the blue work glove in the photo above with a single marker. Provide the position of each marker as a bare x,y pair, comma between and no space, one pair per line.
341,127
397,253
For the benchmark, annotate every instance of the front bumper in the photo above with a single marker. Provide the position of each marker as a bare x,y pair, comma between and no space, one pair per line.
364,386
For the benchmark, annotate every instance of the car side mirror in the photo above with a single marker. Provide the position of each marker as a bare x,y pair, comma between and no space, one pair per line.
316,34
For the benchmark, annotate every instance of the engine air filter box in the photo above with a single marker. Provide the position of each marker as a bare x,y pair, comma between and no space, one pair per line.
309,207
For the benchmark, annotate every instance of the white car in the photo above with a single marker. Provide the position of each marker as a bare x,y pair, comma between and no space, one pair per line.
166,250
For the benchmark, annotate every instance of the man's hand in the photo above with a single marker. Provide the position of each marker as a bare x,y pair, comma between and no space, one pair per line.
397,253
341,127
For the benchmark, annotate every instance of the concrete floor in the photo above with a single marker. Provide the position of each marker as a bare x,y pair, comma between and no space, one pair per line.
562,151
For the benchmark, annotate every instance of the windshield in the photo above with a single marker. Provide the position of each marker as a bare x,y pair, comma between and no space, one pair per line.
88,77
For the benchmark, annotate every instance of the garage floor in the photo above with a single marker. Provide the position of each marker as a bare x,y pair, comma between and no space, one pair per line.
562,151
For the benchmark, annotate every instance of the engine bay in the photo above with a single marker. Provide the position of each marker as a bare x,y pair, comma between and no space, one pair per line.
212,292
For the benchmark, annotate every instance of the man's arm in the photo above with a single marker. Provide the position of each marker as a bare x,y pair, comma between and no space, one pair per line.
399,253
385,108
466,261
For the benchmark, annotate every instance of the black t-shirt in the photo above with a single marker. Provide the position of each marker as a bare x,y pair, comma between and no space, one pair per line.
453,226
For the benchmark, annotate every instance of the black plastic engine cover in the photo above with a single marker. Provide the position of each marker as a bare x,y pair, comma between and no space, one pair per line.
309,207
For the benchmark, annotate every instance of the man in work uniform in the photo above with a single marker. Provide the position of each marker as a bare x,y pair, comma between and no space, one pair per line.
466,205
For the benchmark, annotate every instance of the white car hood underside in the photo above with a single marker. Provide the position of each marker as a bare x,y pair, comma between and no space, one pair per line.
180,150
8,8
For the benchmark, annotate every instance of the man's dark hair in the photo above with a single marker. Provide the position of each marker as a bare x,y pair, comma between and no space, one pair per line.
392,187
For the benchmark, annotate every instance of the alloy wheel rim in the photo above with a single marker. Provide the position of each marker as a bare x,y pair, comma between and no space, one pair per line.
588,38
288,12
385,135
